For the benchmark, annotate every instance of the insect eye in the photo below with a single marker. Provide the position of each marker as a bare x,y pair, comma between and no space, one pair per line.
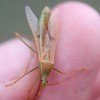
47,81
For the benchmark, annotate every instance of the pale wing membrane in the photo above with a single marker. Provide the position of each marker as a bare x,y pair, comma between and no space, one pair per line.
54,35
42,32
46,46
45,42
44,38
33,22
50,43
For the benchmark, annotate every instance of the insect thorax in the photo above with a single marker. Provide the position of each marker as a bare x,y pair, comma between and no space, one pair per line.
46,68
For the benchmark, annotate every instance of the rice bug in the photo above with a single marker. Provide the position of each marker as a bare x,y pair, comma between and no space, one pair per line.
46,44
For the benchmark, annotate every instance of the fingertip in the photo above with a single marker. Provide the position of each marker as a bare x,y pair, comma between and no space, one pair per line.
14,55
15,60
77,47
79,33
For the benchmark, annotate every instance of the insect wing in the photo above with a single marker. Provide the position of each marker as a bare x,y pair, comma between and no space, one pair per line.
54,35
33,23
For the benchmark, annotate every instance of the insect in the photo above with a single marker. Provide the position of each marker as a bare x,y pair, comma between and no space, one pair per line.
46,44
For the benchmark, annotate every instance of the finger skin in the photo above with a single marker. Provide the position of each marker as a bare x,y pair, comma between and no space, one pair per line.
96,90
78,47
14,58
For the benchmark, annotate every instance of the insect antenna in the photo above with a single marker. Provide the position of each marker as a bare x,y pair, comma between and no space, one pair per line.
20,37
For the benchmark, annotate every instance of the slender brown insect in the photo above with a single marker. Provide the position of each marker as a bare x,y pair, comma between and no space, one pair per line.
46,44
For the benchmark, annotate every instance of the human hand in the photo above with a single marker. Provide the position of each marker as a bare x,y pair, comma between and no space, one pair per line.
77,47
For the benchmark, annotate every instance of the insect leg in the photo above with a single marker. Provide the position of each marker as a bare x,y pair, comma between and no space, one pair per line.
33,86
18,36
22,76
69,73
77,70
59,71
56,83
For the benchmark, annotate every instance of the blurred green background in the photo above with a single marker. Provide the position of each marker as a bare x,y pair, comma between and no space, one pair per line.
13,19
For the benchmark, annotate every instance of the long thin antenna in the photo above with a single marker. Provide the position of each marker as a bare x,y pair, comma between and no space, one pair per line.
19,37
